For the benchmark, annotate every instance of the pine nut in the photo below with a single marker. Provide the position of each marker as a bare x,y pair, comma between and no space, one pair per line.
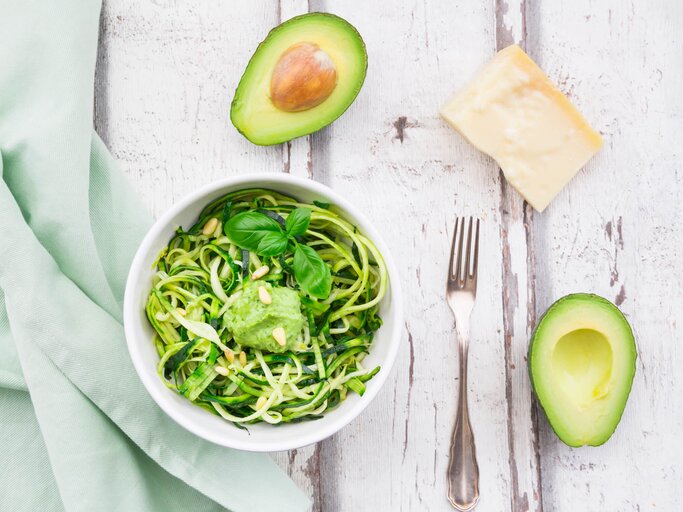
280,336
264,296
229,355
210,226
260,272
220,370
261,402
243,358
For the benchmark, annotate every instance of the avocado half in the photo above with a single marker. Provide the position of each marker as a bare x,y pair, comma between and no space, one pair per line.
253,110
582,359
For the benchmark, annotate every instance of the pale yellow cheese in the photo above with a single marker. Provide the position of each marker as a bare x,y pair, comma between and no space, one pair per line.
513,112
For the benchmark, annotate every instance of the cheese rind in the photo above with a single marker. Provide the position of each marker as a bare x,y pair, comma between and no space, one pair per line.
514,113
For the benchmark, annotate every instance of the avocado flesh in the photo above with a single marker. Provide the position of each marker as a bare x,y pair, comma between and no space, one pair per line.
582,362
252,112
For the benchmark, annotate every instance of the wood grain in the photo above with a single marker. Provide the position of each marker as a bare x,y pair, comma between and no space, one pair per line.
166,74
616,230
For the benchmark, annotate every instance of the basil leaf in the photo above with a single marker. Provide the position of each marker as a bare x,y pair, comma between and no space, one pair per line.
247,229
297,221
311,272
273,243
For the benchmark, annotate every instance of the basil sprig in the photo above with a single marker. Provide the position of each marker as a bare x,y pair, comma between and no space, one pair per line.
256,232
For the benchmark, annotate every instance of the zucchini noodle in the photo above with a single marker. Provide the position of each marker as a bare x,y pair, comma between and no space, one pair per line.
199,276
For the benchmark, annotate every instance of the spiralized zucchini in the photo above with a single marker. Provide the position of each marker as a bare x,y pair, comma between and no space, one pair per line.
199,276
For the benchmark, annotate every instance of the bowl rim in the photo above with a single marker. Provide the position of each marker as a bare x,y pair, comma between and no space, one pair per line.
131,314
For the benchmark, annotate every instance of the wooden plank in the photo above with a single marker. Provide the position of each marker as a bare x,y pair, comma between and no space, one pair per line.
617,230
516,229
165,79
304,464
392,156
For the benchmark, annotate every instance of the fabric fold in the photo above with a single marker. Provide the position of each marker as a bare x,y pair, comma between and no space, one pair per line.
69,226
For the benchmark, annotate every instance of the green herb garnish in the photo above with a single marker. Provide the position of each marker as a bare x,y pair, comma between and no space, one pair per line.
259,233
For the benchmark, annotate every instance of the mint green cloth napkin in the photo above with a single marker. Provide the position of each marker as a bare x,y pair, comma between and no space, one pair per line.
78,432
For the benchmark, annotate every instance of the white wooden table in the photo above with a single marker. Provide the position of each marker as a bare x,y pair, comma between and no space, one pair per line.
166,75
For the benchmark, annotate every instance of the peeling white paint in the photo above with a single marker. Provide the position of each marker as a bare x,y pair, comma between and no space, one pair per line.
166,76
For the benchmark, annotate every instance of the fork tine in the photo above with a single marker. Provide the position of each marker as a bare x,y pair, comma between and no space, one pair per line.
466,273
476,254
451,274
458,262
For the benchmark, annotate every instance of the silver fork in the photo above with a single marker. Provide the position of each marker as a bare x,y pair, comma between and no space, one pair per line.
461,290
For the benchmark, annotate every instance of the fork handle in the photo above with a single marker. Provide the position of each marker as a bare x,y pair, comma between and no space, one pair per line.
463,471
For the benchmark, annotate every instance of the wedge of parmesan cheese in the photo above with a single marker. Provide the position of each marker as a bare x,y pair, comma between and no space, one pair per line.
514,113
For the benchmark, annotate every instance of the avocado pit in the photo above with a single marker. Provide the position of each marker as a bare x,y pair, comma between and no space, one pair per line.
303,78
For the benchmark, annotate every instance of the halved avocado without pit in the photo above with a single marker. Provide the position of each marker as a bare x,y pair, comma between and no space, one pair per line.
304,75
582,362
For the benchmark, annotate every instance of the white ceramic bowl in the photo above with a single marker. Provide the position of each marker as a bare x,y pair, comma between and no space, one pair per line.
261,437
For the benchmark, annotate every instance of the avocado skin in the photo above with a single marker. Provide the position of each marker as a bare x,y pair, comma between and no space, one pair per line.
234,105
587,297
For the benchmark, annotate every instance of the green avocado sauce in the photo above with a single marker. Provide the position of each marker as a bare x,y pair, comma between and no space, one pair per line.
252,322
